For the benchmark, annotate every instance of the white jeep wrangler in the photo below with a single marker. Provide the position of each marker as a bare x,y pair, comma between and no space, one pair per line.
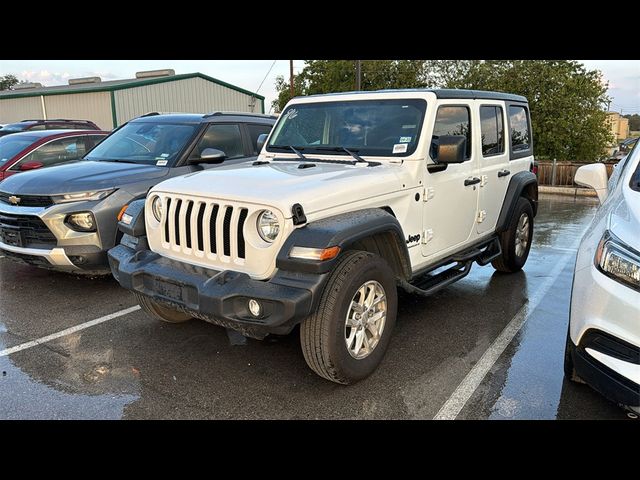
353,195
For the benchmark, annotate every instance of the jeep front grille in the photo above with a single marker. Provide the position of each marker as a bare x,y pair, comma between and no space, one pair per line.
202,228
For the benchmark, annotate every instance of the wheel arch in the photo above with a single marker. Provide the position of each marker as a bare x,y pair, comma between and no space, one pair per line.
374,230
522,184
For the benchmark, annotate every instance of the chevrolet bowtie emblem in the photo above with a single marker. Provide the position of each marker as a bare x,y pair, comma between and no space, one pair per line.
13,199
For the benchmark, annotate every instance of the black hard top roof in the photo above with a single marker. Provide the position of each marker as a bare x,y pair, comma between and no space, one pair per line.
156,117
446,93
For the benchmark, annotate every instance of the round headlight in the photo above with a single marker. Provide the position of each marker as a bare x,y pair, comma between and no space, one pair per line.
268,226
156,208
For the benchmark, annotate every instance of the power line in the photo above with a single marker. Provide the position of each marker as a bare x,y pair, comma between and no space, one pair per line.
265,77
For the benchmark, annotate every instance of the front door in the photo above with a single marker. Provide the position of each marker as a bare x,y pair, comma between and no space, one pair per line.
451,195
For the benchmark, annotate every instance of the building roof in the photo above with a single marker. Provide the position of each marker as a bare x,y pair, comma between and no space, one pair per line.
445,93
112,85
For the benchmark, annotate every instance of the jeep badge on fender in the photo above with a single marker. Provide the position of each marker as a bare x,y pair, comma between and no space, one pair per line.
353,195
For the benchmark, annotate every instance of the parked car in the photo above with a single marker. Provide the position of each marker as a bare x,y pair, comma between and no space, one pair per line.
44,148
603,341
353,195
54,124
65,217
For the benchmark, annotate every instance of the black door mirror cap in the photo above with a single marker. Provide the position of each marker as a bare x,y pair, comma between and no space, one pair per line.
262,139
210,155
450,149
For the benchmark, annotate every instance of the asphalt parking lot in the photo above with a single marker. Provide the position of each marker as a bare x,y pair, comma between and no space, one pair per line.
488,347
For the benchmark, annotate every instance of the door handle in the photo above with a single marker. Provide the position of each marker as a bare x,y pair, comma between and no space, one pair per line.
503,173
471,181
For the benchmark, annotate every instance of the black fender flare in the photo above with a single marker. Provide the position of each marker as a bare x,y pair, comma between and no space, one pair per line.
344,230
521,184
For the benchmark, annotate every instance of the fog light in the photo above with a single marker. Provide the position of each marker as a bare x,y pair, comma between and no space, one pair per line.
77,259
255,308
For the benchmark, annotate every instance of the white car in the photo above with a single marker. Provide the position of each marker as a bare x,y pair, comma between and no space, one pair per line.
603,342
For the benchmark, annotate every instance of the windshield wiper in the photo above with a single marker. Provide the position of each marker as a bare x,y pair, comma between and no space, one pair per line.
353,153
290,147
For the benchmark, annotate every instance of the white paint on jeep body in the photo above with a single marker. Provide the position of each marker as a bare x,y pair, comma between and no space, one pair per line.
449,212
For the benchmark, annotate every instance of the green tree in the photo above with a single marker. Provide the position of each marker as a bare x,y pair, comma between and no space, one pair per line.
567,101
325,76
7,81
634,122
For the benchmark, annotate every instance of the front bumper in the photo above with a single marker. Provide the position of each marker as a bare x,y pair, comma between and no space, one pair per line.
47,242
602,378
605,335
219,297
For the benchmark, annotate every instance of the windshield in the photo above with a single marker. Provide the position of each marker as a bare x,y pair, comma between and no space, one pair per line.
368,127
145,143
11,145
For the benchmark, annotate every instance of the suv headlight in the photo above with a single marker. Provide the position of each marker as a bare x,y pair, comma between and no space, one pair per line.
618,261
81,222
268,226
156,208
82,196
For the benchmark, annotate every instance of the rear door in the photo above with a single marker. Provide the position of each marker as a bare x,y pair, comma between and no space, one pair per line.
493,162
451,193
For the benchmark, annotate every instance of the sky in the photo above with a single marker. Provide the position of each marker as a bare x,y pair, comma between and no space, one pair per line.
259,75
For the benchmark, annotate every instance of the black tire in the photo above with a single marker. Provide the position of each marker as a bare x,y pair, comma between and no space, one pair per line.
569,368
159,312
509,261
322,335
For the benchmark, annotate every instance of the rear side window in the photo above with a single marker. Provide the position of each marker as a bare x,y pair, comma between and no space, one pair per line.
492,130
255,131
520,129
225,137
454,121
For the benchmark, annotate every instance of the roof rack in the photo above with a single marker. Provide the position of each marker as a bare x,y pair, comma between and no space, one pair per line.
239,114
149,114
55,120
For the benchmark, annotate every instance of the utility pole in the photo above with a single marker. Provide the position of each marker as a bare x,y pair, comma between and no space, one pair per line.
291,77
358,74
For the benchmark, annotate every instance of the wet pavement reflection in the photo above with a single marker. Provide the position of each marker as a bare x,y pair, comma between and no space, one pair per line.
134,367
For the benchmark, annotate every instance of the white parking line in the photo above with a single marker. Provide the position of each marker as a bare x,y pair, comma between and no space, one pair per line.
67,331
1,256
456,402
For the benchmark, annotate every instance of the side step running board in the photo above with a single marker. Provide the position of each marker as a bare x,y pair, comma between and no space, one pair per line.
429,283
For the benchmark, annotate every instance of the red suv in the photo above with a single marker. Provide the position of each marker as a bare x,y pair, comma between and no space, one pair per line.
53,124
43,148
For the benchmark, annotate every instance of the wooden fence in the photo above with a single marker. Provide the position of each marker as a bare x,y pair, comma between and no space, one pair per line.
565,171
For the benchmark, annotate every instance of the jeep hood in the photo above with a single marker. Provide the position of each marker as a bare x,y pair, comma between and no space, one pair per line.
79,177
283,184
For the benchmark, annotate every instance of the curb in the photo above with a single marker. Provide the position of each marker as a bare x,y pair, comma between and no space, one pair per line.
572,191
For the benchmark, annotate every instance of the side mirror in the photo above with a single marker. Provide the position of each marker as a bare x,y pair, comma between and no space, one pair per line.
594,176
30,166
262,139
210,155
449,149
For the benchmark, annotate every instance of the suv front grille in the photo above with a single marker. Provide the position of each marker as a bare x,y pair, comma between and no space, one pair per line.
33,230
27,200
203,228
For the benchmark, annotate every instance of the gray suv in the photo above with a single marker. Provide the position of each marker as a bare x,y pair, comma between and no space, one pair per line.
64,218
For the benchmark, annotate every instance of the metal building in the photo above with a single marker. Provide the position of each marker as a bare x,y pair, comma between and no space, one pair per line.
112,103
